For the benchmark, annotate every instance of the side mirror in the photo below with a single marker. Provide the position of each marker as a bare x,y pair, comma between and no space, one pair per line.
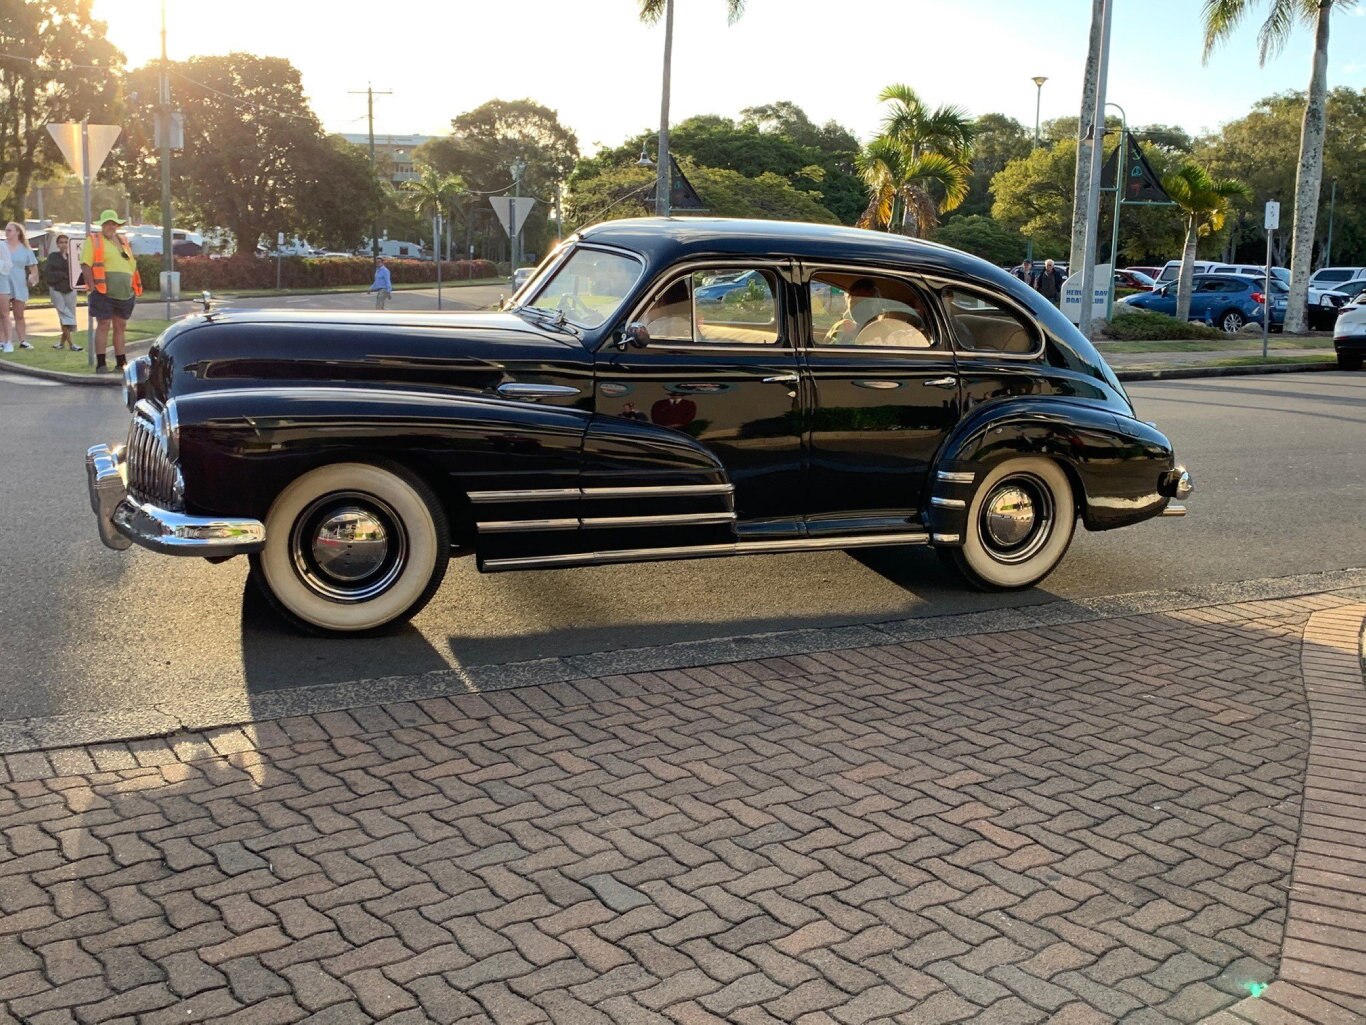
635,336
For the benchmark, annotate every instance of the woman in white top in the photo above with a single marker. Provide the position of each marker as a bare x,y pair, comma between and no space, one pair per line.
23,275
5,331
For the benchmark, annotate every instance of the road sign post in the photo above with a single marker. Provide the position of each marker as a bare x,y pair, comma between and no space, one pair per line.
1272,222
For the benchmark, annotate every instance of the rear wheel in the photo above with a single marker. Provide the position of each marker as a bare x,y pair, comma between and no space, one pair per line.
1020,523
1349,360
352,548
1232,321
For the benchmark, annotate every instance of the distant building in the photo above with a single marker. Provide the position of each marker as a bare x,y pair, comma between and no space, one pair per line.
393,152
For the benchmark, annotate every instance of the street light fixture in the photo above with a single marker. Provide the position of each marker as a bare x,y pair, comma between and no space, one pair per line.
644,160
1039,80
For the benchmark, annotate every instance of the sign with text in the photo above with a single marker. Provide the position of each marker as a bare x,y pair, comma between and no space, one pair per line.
1070,303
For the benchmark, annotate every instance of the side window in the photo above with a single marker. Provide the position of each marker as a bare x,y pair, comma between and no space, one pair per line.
980,324
1210,285
722,305
869,310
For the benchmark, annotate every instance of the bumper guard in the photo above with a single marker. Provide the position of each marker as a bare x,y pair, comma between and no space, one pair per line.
124,521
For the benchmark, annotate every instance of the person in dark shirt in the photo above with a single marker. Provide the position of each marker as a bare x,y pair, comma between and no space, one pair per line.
1048,282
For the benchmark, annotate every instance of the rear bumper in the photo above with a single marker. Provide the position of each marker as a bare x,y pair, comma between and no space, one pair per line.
123,521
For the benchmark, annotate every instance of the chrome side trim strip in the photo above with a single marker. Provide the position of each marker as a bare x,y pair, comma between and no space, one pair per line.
563,494
661,491
525,390
948,539
539,495
956,477
517,526
799,544
949,503
669,520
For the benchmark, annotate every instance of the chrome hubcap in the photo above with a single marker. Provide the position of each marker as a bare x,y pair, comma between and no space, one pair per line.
1009,516
348,547
1016,518
350,544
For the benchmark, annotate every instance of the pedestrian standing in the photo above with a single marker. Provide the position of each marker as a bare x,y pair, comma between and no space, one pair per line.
1025,272
23,275
382,287
1048,282
6,345
112,273
57,275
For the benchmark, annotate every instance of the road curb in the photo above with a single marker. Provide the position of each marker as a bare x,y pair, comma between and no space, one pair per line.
1176,373
113,380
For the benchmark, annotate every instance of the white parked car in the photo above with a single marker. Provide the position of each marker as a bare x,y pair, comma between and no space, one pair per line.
1349,334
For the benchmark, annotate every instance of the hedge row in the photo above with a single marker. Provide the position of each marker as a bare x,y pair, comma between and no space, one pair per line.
200,272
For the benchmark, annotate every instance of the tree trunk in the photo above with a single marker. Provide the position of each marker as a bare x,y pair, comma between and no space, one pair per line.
1088,113
665,181
1183,284
1309,178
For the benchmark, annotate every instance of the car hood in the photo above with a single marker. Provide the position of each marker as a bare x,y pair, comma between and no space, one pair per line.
467,351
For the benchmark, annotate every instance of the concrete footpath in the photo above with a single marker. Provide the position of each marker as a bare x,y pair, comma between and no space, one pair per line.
1149,818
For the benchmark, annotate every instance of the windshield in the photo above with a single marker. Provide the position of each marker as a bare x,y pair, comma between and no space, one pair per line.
589,287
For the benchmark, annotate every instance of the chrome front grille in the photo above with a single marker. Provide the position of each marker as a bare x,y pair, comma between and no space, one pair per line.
152,477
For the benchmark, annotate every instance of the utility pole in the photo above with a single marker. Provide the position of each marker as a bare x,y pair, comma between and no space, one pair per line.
664,182
1092,208
164,120
1039,80
369,94
1085,132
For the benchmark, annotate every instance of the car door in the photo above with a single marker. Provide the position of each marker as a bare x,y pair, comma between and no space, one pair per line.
884,396
721,375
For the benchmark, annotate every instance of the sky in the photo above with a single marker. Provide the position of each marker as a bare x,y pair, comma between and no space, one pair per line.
600,68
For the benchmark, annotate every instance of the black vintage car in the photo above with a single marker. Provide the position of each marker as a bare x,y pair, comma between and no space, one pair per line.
844,389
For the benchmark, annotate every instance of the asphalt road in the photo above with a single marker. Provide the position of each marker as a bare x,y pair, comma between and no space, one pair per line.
1280,463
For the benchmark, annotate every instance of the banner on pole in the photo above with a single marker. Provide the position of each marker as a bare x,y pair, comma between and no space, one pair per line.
682,196
1141,183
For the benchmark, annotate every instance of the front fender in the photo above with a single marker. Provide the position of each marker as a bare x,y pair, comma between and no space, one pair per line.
1115,463
240,447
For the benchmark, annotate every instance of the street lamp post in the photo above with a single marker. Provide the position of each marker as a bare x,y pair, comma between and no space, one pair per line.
518,169
662,182
1039,80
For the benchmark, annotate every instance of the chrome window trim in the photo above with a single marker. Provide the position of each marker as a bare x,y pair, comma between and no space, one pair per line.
674,272
568,254
941,283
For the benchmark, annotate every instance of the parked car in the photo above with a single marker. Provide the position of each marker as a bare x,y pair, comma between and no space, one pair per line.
718,288
608,416
1336,277
520,277
1349,333
1227,301
1171,270
1130,278
1152,272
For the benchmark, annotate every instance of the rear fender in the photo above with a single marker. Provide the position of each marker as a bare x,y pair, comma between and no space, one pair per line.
1114,462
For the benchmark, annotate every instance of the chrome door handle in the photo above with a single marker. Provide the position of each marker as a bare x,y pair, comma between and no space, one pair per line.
879,385
941,382
781,379
518,390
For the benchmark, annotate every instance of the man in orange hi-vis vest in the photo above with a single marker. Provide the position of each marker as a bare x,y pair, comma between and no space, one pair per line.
111,272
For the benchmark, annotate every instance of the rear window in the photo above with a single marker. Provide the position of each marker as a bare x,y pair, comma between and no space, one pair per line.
981,324
1333,275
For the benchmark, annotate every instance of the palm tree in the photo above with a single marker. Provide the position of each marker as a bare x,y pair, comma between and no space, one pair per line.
1220,18
920,154
1205,200
650,11
432,193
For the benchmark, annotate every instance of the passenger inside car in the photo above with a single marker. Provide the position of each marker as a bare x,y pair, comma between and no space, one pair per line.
863,310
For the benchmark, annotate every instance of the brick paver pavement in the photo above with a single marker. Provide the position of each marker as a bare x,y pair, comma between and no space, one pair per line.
1089,823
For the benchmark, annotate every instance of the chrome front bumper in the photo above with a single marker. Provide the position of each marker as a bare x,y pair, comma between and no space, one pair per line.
123,520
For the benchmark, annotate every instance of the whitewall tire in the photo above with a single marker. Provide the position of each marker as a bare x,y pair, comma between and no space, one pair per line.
1020,523
352,548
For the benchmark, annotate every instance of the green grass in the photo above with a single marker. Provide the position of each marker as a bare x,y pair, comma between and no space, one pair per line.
1224,343
1257,361
152,295
44,357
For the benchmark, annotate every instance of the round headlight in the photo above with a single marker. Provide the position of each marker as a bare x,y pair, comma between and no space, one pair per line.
135,375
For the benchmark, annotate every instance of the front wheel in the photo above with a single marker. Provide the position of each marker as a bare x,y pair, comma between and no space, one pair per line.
1020,523
352,548
1233,322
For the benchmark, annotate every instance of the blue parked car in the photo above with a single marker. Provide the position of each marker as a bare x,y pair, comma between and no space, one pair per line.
1227,301
717,290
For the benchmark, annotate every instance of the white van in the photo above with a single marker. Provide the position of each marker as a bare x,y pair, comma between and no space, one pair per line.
1332,277
1252,270
1172,270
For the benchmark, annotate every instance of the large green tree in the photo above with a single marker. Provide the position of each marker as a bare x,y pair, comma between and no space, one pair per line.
1220,18
485,142
337,193
996,141
1205,201
56,64
253,147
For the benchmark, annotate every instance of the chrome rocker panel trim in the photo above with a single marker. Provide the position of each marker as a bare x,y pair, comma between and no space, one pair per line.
564,494
801,544
124,521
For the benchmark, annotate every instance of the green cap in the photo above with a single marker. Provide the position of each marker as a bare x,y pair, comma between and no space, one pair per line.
110,215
